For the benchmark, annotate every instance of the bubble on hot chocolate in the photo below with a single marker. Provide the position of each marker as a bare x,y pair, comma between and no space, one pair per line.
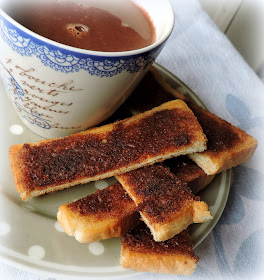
78,29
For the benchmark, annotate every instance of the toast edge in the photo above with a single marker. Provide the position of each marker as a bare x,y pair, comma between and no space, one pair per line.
167,264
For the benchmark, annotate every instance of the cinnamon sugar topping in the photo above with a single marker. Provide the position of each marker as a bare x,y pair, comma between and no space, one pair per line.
112,202
157,191
220,134
141,240
87,155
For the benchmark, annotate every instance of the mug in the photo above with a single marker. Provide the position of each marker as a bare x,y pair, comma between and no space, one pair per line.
58,90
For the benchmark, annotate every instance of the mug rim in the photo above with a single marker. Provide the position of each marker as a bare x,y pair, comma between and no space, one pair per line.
100,53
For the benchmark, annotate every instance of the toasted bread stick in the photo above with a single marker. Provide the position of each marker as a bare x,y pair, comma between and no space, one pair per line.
161,133
227,145
165,203
107,213
140,252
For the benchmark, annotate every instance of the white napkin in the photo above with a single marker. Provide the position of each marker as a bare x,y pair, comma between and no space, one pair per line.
203,58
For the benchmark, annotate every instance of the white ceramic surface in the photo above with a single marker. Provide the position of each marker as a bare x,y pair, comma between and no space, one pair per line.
57,90
32,239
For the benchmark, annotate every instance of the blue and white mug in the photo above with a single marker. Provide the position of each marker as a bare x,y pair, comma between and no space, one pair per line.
58,90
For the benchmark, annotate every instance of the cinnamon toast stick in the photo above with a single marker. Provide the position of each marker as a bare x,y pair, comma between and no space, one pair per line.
140,252
107,213
165,203
161,133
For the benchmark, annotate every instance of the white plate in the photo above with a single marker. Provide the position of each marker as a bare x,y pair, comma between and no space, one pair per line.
30,236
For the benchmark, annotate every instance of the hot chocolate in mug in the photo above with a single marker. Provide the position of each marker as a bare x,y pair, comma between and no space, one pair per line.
58,89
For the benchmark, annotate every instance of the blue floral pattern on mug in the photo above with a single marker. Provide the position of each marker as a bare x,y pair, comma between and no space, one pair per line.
68,61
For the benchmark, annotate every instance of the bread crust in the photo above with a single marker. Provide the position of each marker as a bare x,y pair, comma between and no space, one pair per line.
165,204
140,253
107,213
179,265
119,147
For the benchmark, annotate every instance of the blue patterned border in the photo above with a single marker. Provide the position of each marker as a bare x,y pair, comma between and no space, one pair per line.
67,61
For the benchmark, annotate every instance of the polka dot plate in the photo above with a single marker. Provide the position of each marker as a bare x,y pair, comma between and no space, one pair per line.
32,239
